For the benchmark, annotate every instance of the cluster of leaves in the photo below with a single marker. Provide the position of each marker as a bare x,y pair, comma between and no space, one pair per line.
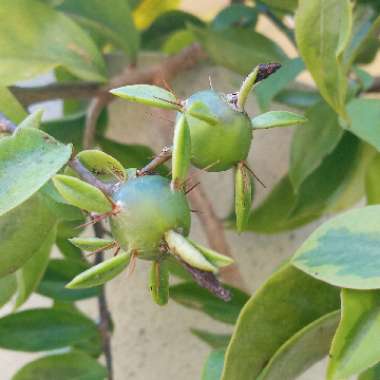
290,322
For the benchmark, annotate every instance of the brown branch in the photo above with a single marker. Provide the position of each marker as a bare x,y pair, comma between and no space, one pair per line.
161,158
375,85
215,235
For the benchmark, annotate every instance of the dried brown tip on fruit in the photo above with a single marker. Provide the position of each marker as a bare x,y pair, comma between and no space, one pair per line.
267,69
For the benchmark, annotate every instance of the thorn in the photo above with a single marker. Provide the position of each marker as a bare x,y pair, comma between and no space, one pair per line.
210,81
211,165
168,87
109,246
117,250
195,211
132,264
255,176
169,101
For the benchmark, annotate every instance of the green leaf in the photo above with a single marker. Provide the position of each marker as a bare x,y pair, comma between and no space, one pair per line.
313,142
92,244
68,250
178,41
147,94
30,274
8,287
70,129
10,106
298,98
274,119
266,90
243,196
200,111
236,15
213,367
212,256
165,26
81,194
33,120
68,366
111,19
23,231
159,282
372,181
215,341
181,152
365,120
371,374
102,165
28,159
238,49
148,10
340,183
44,329
27,50
283,5
285,304
101,273
355,348
345,250
192,296
323,29
130,155
58,274
302,350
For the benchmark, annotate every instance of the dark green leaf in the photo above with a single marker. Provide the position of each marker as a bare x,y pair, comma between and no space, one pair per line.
345,250
371,374
30,274
28,159
323,31
297,98
284,5
72,365
239,49
23,231
313,142
302,350
286,303
68,250
354,348
27,50
194,297
58,274
213,340
213,367
111,19
165,25
236,15
44,329
372,181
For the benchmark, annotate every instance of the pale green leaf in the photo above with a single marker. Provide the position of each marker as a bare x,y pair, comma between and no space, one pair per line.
101,273
372,181
365,120
23,231
28,159
322,32
30,274
35,38
149,95
243,196
212,369
68,366
159,282
273,119
302,350
286,303
92,244
10,106
33,120
344,251
81,194
355,346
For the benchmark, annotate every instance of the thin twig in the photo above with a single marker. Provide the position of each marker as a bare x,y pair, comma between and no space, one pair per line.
162,157
105,320
87,176
215,235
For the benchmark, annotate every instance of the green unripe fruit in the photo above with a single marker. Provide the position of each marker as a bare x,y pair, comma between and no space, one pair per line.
219,146
148,209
